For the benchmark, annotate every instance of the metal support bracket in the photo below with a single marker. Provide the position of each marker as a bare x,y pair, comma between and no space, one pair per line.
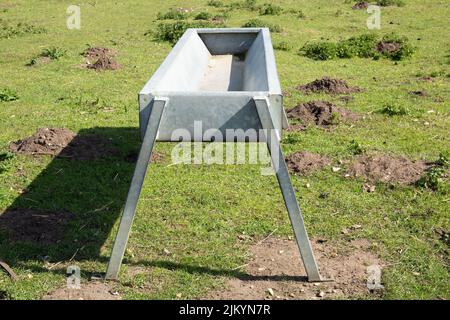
279,164
134,192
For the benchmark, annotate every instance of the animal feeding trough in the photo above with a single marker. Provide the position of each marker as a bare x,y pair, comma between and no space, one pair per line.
225,79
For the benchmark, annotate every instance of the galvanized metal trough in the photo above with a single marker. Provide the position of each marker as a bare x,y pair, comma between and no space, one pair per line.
227,79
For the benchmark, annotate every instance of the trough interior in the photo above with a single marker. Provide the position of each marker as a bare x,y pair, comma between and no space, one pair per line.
218,62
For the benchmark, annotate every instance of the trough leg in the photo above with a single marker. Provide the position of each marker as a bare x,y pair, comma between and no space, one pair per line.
295,215
135,188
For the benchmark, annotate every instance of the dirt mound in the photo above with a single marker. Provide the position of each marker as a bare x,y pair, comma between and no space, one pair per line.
360,5
275,271
45,141
88,291
64,143
28,225
322,113
100,59
329,85
305,162
389,169
419,93
388,47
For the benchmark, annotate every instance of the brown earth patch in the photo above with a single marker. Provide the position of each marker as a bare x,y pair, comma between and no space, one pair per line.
388,47
296,128
388,169
420,93
93,290
360,5
329,85
64,143
99,59
275,271
306,162
28,225
322,113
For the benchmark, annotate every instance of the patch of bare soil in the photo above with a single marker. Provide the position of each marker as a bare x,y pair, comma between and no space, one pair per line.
329,85
28,225
93,290
388,169
322,113
419,93
360,5
64,143
100,59
388,47
296,128
275,271
306,162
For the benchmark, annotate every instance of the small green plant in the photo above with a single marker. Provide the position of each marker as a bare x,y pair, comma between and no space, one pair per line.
393,109
257,23
434,177
282,46
386,3
355,148
5,160
172,14
362,46
270,9
215,3
322,50
20,29
401,44
53,53
203,16
173,31
8,95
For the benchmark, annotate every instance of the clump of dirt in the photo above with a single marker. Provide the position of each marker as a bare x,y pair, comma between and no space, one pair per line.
388,47
322,113
329,85
360,5
93,290
64,143
306,162
28,225
275,271
48,141
296,128
419,93
388,169
100,59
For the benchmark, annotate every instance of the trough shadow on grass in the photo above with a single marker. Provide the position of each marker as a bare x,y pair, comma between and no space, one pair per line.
192,269
70,208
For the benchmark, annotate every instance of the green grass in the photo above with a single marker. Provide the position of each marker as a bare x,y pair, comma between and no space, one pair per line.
197,211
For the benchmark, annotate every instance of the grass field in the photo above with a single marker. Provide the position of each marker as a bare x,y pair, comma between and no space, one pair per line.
197,212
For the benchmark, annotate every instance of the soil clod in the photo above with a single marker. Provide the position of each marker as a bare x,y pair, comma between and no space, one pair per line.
64,143
345,263
388,169
322,113
360,5
329,85
100,59
306,162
